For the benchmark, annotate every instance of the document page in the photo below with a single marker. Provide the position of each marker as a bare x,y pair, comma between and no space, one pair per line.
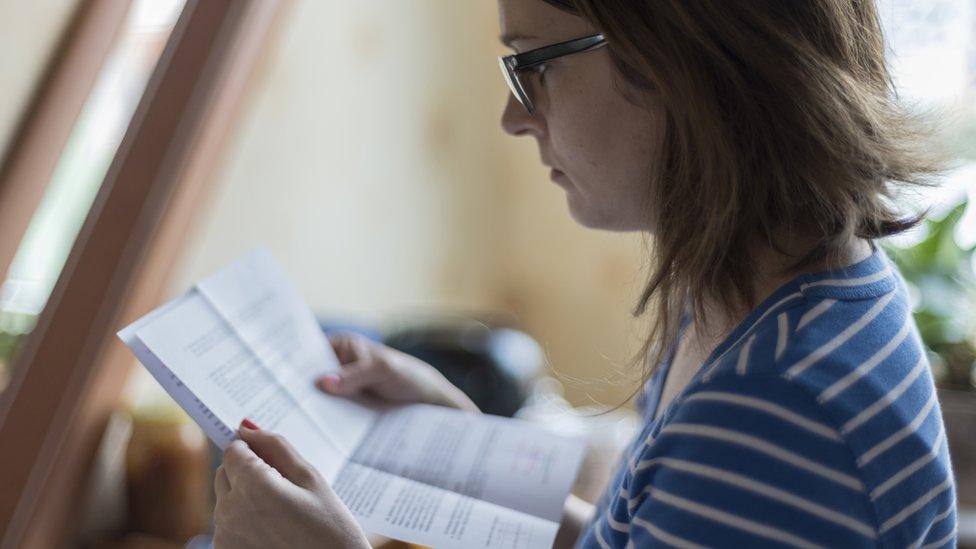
256,299
446,478
495,459
220,431
242,343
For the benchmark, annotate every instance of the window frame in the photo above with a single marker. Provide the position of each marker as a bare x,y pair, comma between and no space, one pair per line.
36,144
70,371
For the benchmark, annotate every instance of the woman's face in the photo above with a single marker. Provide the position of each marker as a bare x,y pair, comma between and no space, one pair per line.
601,147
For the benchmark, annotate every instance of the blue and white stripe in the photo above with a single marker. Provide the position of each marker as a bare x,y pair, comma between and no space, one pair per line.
814,424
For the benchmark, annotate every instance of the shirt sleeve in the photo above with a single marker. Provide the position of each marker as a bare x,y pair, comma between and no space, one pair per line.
746,461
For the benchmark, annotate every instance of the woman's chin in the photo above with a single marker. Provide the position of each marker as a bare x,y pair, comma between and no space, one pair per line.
600,220
584,216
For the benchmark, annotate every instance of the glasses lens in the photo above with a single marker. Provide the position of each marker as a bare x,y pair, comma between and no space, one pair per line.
515,85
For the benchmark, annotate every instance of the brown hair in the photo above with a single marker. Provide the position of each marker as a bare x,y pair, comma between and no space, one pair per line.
781,121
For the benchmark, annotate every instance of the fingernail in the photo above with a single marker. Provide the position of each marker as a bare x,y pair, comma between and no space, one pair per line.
248,424
329,382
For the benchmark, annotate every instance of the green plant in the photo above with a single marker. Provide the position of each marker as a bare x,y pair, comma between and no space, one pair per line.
13,327
8,345
940,274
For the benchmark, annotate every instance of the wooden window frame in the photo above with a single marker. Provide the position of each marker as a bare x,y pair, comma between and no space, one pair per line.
36,145
69,373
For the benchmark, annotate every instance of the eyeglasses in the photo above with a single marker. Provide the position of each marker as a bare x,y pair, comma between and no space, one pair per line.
513,65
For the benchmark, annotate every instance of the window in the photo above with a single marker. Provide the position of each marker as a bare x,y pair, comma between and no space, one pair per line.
82,166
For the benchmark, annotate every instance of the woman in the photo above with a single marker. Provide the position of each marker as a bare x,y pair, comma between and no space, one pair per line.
789,401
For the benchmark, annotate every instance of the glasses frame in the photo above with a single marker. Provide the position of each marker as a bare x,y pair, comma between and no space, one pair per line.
513,65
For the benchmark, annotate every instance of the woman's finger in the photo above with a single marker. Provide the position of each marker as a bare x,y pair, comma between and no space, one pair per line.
353,378
343,344
221,482
240,463
280,454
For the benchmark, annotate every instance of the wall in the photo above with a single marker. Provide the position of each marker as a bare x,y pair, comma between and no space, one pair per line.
371,163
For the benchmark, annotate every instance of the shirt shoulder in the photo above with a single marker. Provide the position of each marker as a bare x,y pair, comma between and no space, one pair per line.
842,339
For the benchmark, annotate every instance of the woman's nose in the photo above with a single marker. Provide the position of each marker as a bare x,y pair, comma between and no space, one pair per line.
517,121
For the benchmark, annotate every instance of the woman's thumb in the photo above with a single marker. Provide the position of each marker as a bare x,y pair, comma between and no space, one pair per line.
280,454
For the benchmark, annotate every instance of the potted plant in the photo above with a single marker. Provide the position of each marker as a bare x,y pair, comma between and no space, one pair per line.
940,275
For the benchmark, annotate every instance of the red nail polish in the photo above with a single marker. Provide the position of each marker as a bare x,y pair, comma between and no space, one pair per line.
248,424
329,382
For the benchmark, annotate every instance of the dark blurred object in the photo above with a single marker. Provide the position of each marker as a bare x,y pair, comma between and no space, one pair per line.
167,474
959,415
487,358
334,327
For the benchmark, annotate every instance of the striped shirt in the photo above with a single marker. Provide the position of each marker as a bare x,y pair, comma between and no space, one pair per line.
814,424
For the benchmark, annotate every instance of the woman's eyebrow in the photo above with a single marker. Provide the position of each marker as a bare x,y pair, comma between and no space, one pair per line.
508,38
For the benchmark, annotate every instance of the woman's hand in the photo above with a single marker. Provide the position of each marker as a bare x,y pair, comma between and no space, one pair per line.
377,370
269,496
